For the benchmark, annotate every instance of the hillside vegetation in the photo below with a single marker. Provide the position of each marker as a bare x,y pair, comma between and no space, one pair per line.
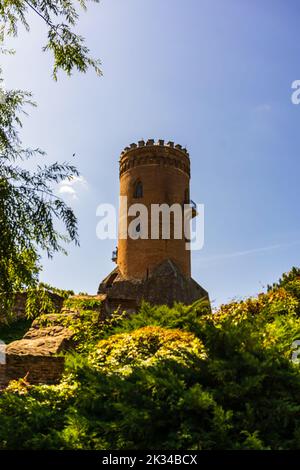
170,378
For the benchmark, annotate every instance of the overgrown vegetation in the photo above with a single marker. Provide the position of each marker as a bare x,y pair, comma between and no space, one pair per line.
170,378
40,299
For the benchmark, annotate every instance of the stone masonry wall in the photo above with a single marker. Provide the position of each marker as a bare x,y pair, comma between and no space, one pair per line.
38,354
40,369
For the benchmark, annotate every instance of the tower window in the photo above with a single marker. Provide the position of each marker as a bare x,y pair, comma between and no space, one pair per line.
186,196
138,190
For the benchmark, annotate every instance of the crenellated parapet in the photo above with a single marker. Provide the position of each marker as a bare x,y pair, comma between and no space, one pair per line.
153,152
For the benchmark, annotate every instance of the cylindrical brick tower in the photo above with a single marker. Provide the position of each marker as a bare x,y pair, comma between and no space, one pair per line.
153,173
153,269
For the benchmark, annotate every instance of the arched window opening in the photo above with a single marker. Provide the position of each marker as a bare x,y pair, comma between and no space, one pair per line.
138,190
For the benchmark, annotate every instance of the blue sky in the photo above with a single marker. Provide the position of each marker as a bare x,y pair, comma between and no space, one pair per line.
214,75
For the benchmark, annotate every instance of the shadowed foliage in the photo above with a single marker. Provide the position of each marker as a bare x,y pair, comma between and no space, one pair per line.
170,378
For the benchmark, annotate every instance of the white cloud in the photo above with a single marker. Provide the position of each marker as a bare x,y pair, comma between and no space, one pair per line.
263,108
263,249
71,187
67,190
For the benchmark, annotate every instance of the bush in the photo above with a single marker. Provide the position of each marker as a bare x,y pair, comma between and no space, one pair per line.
171,378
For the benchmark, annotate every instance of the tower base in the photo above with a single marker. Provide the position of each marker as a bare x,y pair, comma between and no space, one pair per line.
166,285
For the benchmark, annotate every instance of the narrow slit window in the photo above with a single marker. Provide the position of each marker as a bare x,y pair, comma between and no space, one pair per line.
138,190
186,196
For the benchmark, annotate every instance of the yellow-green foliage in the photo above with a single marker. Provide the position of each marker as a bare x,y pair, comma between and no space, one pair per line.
274,302
83,302
144,347
84,323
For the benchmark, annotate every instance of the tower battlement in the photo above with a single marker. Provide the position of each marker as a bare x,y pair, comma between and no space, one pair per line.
153,143
155,153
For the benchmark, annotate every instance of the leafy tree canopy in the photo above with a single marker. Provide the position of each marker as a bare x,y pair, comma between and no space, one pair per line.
29,206
60,18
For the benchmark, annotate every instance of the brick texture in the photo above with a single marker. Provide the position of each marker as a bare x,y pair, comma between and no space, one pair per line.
164,173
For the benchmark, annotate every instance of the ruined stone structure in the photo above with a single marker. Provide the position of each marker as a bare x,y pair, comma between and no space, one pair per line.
38,352
39,355
156,270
